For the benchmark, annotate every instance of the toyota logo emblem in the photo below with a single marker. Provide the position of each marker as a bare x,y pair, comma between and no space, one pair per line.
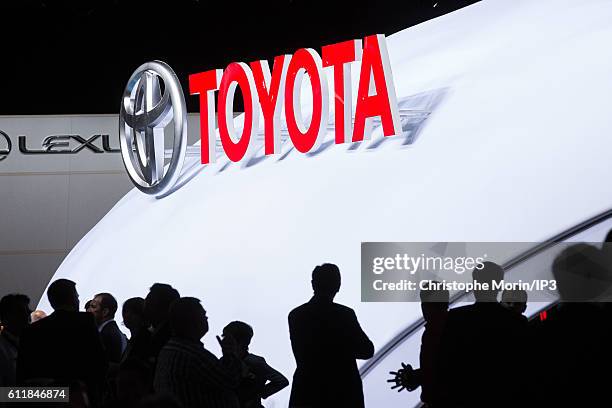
146,110
5,152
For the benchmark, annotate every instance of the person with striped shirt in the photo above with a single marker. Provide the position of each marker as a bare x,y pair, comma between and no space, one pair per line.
189,372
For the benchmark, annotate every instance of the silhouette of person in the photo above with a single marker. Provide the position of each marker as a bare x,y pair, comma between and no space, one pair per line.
434,305
326,339
133,316
132,383
515,300
156,311
476,339
259,380
63,348
140,336
189,372
577,337
15,317
104,306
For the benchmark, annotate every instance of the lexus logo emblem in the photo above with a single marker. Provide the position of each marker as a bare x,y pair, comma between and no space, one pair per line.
4,151
146,110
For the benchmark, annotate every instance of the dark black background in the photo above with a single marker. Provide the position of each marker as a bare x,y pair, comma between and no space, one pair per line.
74,56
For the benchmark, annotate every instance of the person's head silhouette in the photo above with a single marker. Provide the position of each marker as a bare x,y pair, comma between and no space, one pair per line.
515,300
434,303
103,306
158,301
133,313
487,272
242,333
63,295
188,319
326,281
581,273
15,313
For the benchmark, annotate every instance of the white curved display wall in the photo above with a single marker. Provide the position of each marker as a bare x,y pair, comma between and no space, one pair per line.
517,148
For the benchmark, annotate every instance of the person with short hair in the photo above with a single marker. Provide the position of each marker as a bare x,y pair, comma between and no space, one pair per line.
260,380
326,338
15,317
187,370
578,334
132,313
140,337
63,348
104,306
474,335
156,310
515,300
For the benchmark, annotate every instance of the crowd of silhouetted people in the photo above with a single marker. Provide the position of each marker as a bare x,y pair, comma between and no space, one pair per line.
164,363
486,354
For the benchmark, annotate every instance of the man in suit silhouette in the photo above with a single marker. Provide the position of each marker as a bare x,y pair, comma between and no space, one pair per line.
577,337
64,347
477,340
326,339
104,306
